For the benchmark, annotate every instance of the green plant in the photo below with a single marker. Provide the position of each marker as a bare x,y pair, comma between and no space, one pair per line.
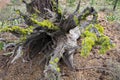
54,64
91,39
71,2
88,42
45,23
1,45
105,44
17,29
113,1
22,31
92,2
111,17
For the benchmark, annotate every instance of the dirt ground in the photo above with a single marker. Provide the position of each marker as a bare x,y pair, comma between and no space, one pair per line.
3,3
94,67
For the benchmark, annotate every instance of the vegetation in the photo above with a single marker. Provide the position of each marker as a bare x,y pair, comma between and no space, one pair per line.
1,45
94,38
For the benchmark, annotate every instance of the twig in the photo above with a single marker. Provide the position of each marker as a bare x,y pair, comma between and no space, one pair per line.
2,39
11,19
87,68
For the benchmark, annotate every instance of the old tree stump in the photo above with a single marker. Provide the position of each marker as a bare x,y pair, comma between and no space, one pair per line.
54,34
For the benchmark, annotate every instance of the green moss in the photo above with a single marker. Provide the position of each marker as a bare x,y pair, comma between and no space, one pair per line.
76,20
22,31
88,42
1,45
45,23
56,8
59,11
97,26
90,34
91,39
17,11
23,38
105,44
35,16
56,60
54,64
58,69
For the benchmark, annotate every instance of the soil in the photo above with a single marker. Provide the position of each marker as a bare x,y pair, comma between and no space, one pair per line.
3,3
93,67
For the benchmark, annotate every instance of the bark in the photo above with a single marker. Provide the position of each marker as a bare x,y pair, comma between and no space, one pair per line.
36,7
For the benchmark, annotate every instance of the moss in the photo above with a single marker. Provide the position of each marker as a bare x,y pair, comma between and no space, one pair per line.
22,31
1,45
56,60
54,64
90,34
59,11
55,7
35,16
97,26
76,20
91,39
88,42
23,38
45,23
105,44
17,11
58,69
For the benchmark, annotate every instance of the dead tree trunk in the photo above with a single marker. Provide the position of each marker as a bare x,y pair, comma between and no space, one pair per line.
42,7
57,44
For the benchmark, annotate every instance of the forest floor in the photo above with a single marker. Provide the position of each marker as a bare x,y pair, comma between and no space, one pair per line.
94,67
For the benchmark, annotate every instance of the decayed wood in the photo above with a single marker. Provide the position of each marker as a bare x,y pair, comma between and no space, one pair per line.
65,49
60,44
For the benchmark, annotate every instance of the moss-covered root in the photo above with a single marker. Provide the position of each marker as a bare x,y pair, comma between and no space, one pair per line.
52,71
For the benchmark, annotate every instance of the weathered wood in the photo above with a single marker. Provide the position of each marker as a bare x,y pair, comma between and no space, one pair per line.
58,44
